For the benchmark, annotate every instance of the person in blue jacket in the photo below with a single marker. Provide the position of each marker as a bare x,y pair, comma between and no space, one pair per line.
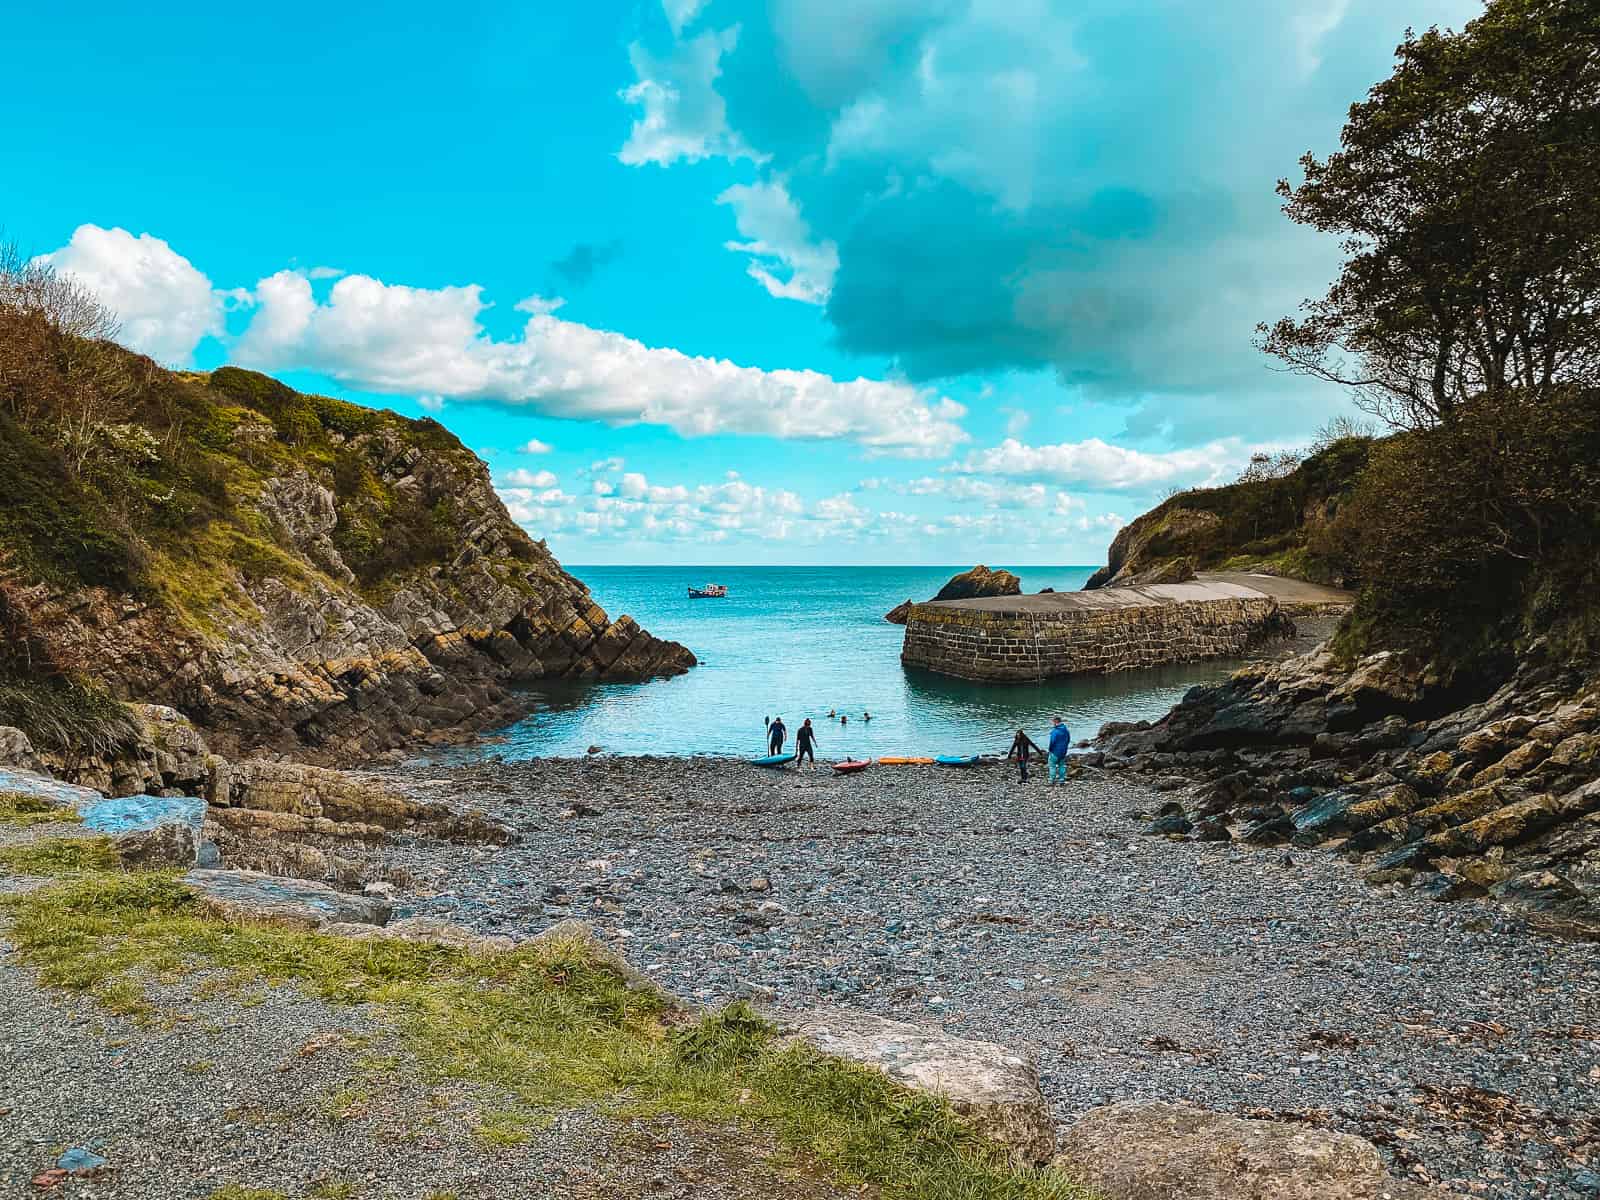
1060,744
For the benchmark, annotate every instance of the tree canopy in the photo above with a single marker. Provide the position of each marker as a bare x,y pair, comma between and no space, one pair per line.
1467,191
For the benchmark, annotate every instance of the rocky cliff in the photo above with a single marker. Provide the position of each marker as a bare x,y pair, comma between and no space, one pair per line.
1275,524
293,573
1383,762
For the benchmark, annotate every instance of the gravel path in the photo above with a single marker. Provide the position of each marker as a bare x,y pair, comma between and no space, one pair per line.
1132,967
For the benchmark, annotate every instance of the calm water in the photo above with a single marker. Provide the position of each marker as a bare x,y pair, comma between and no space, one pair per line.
797,641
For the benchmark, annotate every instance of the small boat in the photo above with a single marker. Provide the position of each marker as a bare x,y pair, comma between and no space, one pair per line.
772,760
958,760
711,591
902,760
851,765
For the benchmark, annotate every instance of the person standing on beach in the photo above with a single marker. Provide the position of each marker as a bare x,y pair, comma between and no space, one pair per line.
1021,747
1060,745
805,741
776,732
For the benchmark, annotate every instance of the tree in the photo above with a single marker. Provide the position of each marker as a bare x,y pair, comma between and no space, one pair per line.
97,383
1467,190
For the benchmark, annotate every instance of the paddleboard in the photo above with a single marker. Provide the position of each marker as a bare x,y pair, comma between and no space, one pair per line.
850,766
772,760
957,760
901,760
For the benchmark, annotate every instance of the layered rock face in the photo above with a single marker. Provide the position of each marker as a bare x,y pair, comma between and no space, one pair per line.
1498,798
361,590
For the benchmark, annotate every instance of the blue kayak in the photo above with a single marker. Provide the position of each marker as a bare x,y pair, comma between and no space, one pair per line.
772,760
957,760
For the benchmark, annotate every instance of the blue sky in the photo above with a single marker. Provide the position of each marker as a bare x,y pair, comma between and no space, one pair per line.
853,281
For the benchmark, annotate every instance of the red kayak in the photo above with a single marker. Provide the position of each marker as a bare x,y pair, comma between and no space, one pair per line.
851,765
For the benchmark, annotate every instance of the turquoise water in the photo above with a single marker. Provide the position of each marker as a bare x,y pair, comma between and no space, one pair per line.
798,641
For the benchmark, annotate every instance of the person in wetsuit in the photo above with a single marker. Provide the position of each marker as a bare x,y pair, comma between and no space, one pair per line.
805,741
1021,747
776,732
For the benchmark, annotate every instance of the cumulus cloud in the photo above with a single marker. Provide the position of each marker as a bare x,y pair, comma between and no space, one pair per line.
965,490
165,304
1053,201
522,477
1100,466
682,115
783,257
396,339
534,446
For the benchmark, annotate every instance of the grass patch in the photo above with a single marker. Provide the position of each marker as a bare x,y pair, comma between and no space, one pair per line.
551,1025
235,1191
18,808
60,857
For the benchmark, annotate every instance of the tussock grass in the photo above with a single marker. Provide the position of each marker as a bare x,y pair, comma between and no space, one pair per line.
19,808
60,856
550,1026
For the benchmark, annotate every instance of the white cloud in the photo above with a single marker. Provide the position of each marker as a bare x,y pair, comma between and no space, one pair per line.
431,404
681,13
396,339
607,465
1099,465
540,305
784,258
324,273
683,116
534,446
522,477
164,303
963,489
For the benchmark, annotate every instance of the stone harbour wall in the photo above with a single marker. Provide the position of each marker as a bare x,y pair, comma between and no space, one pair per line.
995,644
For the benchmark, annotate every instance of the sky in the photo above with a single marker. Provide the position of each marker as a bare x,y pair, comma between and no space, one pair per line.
793,281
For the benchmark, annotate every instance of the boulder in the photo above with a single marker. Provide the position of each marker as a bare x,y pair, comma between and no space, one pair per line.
16,750
276,900
1155,1151
148,831
979,582
994,1089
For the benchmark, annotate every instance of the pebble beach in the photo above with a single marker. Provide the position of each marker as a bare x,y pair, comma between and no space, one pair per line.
1132,967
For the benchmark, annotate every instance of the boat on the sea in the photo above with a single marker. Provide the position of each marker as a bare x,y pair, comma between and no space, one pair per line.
711,591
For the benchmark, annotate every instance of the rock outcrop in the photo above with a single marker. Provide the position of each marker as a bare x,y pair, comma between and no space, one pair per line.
324,581
980,582
277,900
1152,1151
996,1090
1497,798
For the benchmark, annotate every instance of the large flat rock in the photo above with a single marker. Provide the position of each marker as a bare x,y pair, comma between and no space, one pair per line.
148,831
995,1089
1153,1151
298,903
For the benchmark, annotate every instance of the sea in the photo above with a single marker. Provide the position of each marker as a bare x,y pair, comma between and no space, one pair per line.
801,642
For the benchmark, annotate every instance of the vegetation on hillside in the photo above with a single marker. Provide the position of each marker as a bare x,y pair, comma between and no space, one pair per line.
1467,316
1274,519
